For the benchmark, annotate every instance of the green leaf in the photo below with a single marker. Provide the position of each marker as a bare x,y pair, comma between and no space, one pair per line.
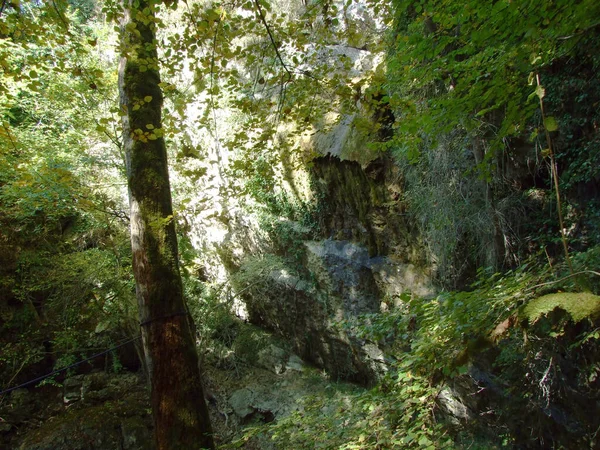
540,91
578,305
551,124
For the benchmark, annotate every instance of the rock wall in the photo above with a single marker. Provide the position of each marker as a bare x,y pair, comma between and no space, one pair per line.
368,256
366,205
339,281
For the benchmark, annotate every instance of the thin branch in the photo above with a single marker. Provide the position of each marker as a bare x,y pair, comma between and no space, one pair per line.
281,103
264,21
60,16
110,137
212,94
564,38
10,138
25,360
562,279
555,176
542,383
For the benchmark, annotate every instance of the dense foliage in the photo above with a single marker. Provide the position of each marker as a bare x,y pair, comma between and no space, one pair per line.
66,280
450,92
464,86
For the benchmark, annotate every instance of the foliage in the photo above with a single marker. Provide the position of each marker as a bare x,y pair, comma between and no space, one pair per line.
224,340
468,131
65,282
457,63
246,82
455,212
452,337
579,306
395,415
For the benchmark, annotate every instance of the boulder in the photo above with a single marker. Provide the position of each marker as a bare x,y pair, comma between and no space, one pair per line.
344,282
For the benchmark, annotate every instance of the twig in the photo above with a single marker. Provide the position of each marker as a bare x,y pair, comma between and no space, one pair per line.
263,20
15,376
564,38
555,176
10,138
60,16
548,257
110,137
562,279
212,94
542,383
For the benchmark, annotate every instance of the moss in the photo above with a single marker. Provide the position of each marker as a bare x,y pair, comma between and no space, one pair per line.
578,305
75,430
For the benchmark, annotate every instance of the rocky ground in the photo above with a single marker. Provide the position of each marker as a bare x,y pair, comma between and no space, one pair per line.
102,410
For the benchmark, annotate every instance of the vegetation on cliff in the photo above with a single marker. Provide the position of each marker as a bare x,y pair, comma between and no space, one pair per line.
448,151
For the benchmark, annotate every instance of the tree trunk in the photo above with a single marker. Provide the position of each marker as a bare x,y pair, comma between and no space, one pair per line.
179,410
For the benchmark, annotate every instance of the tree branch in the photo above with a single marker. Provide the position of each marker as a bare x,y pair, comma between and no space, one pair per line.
264,21
60,16
562,279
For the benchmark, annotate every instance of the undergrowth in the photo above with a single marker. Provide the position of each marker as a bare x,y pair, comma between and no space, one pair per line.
541,377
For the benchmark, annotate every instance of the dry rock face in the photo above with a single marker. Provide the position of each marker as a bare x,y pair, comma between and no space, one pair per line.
296,309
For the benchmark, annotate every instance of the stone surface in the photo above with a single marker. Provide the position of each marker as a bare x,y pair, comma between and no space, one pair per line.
135,434
273,358
242,402
394,278
372,257
73,389
297,310
343,276
294,363
267,402
365,205
95,411
307,310
458,399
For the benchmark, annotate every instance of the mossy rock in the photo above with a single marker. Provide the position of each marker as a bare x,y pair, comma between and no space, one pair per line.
578,305
121,425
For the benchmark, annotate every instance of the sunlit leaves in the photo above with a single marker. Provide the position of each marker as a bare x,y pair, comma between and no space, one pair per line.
467,60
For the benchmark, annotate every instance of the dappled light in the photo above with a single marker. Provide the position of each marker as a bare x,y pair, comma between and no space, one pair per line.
299,224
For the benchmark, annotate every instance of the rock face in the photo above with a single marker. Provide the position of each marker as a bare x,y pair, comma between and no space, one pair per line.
341,282
365,205
368,258
294,308
362,281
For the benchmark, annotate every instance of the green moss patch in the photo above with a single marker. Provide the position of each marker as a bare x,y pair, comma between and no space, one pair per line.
578,305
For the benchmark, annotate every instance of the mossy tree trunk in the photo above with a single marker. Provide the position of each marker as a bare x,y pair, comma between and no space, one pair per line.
180,414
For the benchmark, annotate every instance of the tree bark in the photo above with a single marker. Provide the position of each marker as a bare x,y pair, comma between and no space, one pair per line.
179,410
